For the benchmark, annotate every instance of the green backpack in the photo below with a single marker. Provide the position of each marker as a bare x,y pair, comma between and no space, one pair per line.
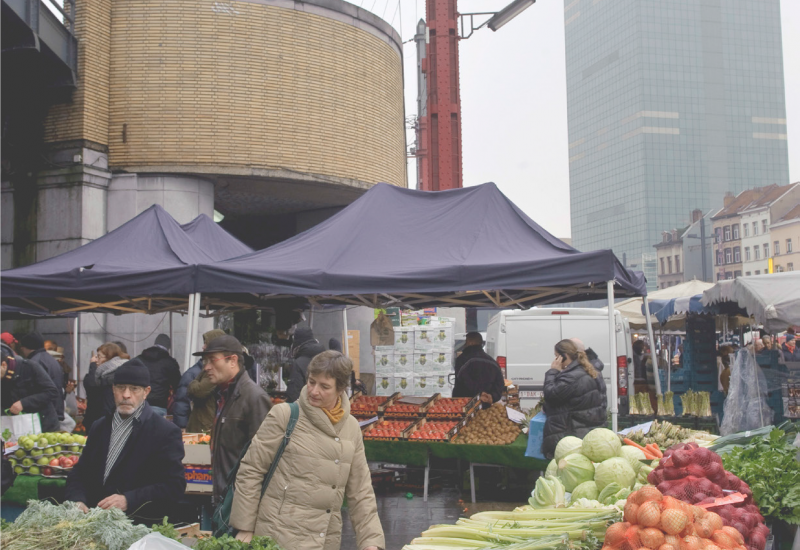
222,513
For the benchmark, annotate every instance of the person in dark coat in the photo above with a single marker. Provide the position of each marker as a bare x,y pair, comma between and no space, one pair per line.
241,406
598,366
305,348
133,459
335,345
98,381
32,348
473,347
28,389
165,374
573,401
480,376
182,408
789,348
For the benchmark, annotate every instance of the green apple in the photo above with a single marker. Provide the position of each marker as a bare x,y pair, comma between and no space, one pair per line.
37,452
34,470
27,443
80,439
20,453
75,448
18,470
69,440
43,442
12,461
27,461
57,449
44,461
52,439
64,438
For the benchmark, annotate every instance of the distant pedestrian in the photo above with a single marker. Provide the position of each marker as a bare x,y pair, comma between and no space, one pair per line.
194,412
790,351
9,340
165,374
28,390
304,349
32,348
335,345
473,347
241,406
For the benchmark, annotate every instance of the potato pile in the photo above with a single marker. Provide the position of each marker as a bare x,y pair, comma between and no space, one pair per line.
489,427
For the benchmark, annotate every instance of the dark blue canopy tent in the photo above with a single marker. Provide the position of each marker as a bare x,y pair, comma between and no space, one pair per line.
215,241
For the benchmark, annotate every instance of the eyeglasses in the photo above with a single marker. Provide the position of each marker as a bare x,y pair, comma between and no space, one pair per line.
207,360
122,388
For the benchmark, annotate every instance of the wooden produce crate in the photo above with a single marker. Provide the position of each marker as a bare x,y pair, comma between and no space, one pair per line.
367,406
411,411
451,408
387,430
426,429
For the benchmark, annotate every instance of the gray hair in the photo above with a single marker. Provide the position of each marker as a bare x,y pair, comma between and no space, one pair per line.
334,365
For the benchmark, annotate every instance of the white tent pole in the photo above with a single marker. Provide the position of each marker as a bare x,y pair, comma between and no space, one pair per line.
195,323
75,342
187,356
652,344
346,342
612,347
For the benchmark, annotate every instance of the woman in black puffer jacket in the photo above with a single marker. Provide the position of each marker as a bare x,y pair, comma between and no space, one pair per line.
574,397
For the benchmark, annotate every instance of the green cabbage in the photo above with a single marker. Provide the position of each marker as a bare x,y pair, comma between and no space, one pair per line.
633,455
609,491
548,493
587,490
552,469
614,470
601,444
575,469
567,446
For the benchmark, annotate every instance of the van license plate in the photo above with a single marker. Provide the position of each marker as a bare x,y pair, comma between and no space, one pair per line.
530,394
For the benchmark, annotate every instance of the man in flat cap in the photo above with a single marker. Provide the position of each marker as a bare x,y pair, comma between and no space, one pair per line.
241,406
133,458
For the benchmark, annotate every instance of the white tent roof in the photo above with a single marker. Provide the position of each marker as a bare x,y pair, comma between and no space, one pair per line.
773,300
632,308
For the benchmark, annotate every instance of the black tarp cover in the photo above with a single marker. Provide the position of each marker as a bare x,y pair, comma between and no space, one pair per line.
215,241
425,248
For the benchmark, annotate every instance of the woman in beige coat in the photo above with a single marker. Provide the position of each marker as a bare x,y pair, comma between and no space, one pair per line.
323,462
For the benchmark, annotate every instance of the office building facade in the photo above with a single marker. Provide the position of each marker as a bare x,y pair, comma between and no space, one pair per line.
671,105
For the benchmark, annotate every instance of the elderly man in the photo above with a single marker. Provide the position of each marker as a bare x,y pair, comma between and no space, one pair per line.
241,406
133,458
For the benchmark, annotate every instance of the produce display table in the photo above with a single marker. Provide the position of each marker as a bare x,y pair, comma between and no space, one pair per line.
418,453
26,488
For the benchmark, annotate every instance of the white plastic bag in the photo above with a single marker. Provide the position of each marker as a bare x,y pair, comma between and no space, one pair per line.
746,406
156,541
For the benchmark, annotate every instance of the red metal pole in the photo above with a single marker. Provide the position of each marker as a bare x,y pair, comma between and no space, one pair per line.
440,129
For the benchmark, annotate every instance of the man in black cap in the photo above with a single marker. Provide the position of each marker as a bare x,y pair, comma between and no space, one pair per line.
165,374
241,406
133,458
304,349
31,347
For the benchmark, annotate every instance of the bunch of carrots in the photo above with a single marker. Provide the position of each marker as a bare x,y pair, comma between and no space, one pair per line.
651,450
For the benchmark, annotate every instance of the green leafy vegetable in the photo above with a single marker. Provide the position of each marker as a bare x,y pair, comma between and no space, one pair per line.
769,466
166,529
227,542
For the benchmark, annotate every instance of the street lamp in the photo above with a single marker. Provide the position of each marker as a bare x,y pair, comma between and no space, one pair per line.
508,13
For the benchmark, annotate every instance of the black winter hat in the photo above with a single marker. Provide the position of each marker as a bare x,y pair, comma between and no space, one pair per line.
134,372
163,341
303,335
33,341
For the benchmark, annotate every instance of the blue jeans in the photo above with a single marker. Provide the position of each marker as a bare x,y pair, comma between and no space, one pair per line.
161,411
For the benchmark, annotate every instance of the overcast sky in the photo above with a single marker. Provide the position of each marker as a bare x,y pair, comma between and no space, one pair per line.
514,101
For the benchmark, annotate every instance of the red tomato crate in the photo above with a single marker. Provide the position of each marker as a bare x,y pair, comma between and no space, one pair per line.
425,429
367,406
397,410
387,430
452,408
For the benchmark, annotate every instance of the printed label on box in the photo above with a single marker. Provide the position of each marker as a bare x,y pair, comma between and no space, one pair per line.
384,384
404,338
403,362
202,476
384,361
424,338
404,382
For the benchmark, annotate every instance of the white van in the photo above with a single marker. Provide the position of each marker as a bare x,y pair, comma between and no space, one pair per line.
522,342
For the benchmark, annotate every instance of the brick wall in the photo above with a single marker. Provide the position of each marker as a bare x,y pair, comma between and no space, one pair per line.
224,86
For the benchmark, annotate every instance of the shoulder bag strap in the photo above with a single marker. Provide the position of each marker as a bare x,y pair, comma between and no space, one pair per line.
295,413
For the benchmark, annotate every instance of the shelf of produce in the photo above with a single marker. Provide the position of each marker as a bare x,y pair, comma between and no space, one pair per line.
398,410
432,430
452,408
387,430
27,488
416,453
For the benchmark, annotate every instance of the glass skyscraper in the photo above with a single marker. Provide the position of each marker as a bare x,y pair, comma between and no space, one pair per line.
671,104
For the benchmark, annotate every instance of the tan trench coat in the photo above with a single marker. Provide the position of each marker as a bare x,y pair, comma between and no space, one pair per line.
322,463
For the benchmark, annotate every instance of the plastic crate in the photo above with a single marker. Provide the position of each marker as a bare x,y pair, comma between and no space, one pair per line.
676,387
704,378
705,385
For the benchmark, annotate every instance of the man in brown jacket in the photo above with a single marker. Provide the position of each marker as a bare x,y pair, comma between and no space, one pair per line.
241,406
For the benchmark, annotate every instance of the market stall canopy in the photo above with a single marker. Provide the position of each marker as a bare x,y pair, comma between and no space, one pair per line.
463,247
145,265
632,309
773,300
215,241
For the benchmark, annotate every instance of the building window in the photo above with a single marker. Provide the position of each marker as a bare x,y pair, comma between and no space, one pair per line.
757,251
746,228
777,251
747,274
755,229
764,226
766,251
719,257
669,264
737,255
758,272
728,256
662,266
789,246
677,264
790,266
737,274
727,233
736,232
728,275
746,253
